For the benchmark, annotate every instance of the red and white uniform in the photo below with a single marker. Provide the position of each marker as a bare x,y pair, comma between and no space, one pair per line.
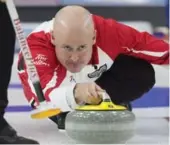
112,39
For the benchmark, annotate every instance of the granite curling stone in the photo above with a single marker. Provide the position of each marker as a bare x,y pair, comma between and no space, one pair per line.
106,123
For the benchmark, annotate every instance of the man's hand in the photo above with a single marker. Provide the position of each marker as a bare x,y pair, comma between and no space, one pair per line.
88,93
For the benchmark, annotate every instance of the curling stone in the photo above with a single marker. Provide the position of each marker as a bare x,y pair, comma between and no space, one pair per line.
106,123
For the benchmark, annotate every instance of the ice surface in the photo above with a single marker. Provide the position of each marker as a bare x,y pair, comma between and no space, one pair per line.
148,130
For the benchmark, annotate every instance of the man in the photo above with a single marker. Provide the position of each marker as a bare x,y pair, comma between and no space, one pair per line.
78,55
7,40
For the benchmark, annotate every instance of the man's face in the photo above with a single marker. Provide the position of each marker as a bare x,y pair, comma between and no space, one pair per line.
74,50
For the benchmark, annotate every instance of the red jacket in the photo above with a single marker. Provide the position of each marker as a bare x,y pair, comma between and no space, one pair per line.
112,39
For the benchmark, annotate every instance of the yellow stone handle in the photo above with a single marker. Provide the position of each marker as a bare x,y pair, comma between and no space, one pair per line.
106,105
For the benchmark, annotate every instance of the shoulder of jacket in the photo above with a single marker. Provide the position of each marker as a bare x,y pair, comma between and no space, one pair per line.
45,27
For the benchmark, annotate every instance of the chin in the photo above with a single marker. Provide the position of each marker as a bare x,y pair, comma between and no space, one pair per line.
75,70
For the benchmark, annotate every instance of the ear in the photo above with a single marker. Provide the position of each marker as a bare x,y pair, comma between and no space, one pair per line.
94,37
52,37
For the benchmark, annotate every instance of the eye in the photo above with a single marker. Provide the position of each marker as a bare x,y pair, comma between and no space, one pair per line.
68,48
81,48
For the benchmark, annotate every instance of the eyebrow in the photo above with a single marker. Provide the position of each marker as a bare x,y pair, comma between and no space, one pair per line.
64,45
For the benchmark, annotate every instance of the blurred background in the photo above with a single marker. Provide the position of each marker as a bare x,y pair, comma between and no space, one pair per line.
143,15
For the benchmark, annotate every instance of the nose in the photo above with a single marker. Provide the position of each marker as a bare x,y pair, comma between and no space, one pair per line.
74,57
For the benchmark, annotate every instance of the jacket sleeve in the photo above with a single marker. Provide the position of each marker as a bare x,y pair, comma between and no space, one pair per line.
51,75
142,45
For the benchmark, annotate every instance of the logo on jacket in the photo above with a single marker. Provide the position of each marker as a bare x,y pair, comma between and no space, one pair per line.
98,72
41,59
72,79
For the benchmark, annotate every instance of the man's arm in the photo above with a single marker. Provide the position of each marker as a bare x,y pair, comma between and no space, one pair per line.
142,45
51,75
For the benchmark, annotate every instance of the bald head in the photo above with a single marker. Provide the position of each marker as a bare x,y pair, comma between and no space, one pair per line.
73,37
73,18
